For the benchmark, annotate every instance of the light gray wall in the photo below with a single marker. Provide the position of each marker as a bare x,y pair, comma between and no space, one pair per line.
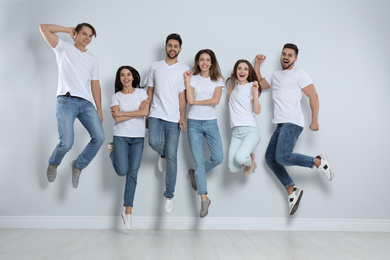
343,46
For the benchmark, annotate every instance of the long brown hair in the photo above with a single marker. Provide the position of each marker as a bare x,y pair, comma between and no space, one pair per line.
215,71
251,76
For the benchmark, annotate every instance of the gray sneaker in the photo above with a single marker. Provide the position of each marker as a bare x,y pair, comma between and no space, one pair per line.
75,175
51,173
191,173
204,207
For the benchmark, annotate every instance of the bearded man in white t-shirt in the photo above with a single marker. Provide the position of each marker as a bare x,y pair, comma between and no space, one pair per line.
78,88
167,112
287,86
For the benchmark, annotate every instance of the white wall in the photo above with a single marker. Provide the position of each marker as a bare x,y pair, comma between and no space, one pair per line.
343,46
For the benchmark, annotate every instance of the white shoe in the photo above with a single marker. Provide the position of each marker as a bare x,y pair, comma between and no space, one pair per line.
126,220
168,205
325,167
162,164
293,200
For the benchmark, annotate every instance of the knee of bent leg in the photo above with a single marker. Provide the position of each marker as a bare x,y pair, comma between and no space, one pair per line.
217,158
65,145
99,138
282,159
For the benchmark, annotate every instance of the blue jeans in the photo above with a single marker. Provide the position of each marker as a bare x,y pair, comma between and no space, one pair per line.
126,160
280,152
68,109
197,129
164,139
244,141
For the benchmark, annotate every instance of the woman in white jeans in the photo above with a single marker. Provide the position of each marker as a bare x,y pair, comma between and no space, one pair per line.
204,90
243,105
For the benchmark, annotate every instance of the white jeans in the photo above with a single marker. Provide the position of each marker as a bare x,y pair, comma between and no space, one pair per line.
244,141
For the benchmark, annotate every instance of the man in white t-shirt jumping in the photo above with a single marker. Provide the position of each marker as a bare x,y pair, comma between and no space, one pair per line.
287,86
167,112
78,88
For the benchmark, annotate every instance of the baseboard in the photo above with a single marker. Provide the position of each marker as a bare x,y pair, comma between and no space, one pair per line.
80,222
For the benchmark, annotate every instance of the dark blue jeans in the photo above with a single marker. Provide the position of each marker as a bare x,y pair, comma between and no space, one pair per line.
126,160
164,139
280,152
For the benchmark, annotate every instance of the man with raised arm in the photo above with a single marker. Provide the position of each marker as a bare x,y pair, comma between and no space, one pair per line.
78,89
287,87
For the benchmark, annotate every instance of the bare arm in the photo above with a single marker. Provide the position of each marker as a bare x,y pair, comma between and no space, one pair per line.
231,87
255,102
212,101
49,31
121,116
260,58
182,108
97,96
311,92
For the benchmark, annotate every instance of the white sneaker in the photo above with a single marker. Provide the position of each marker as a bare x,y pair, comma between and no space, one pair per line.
293,200
168,205
162,164
325,167
126,220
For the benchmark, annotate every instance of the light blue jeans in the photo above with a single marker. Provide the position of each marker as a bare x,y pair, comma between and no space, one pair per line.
68,109
207,129
164,139
280,152
126,160
244,141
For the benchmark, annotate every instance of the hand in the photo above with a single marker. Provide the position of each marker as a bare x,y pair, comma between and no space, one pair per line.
188,74
260,58
72,33
143,104
314,126
182,125
115,113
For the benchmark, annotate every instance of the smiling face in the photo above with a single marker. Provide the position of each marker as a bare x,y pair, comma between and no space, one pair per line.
83,37
204,62
172,49
288,58
242,73
126,78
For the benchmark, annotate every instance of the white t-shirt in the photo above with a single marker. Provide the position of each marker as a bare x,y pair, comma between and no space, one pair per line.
203,89
286,86
240,106
134,127
168,82
76,69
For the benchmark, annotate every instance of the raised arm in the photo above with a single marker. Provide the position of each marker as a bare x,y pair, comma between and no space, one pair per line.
260,58
49,31
311,92
97,96
255,102
231,87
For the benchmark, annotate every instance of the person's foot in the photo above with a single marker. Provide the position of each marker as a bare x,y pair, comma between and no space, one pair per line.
204,207
75,175
293,200
110,147
51,173
127,221
191,173
161,164
168,205
325,167
249,169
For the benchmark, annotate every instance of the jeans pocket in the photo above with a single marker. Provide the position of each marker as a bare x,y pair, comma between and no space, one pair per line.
62,100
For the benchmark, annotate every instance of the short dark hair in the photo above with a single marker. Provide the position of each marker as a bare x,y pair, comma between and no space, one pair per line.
293,47
174,36
134,72
80,26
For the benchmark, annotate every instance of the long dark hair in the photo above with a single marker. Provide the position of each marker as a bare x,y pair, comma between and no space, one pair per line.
251,76
215,71
134,72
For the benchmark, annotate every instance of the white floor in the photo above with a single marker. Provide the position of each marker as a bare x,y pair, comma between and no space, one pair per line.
191,244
